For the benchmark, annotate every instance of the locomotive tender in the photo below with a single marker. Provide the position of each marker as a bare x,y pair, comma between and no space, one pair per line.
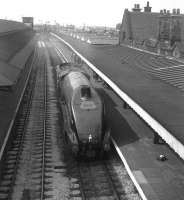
85,123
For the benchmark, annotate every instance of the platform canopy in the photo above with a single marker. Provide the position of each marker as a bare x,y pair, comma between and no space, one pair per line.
10,26
4,81
8,74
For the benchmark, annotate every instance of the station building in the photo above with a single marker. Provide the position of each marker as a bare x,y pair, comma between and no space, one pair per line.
161,32
28,21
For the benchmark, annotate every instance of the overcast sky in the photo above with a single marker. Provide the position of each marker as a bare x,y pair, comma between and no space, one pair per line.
78,12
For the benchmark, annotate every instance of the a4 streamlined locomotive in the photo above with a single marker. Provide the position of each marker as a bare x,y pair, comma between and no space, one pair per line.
85,125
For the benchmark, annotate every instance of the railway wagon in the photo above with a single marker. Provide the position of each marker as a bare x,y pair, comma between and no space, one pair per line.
85,123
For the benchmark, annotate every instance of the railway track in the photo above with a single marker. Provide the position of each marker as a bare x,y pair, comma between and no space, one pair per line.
39,164
101,179
30,147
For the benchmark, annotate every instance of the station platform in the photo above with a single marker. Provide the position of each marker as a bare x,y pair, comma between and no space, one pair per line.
159,180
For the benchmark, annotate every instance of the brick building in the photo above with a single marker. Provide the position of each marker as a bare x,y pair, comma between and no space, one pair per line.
161,32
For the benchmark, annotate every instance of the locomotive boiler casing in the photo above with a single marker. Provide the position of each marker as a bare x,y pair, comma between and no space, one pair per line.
85,124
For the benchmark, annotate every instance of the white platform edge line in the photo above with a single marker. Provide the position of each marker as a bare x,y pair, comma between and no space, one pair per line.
175,144
139,189
15,113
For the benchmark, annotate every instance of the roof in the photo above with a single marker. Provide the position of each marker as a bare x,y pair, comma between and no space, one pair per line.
140,25
14,50
10,71
8,26
4,81
12,42
19,59
8,74
144,24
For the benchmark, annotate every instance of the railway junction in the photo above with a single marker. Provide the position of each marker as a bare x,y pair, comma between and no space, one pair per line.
36,162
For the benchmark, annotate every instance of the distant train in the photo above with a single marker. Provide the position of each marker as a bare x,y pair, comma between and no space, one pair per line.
85,123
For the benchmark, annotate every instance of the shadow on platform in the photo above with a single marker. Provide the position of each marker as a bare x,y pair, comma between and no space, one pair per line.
120,129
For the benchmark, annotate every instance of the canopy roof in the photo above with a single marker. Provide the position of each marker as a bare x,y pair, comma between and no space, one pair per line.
8,74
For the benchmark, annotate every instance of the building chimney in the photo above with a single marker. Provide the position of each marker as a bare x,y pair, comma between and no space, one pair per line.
168,12
178,11
174,11
164,11
136,8
147,8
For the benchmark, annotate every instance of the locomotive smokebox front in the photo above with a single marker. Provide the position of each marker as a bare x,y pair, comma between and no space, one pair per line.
87,112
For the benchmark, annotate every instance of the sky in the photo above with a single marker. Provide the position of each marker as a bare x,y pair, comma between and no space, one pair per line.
78,12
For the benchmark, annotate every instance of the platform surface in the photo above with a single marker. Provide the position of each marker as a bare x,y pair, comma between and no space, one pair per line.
159,180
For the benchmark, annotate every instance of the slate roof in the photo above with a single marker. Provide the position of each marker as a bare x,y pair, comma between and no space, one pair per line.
141,26
5,81
19,59
14,50
10,71
144,25
7,26
9,74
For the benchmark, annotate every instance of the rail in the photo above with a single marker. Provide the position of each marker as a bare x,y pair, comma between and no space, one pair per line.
44,134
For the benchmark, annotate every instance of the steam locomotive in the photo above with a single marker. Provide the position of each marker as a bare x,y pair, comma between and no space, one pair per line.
85,124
